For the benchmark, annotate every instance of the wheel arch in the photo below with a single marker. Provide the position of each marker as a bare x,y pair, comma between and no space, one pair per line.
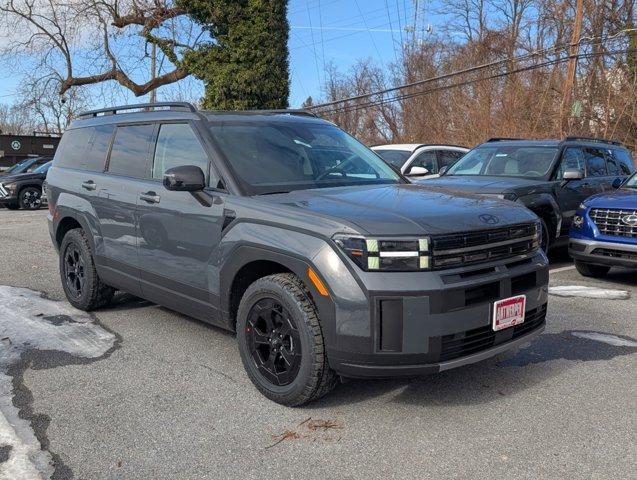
249,263
545,207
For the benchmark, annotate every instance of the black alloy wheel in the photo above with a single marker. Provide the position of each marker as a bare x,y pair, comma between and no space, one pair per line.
74,270
273,341
30,198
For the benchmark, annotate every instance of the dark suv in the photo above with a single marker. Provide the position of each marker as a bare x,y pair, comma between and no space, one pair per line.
281,227
24,190
550,177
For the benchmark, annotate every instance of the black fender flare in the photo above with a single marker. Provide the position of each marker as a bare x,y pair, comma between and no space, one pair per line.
545,207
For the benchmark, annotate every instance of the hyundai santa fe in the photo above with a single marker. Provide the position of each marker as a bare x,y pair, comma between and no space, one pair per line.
283,228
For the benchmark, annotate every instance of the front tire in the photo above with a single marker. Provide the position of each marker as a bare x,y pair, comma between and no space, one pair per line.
281,342
589,270
81,284
30,198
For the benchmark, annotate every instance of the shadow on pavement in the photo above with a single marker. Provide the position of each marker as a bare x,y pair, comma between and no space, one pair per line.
487,381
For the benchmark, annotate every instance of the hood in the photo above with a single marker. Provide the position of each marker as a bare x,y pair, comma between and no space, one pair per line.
405,209
484,184
20,177
625,198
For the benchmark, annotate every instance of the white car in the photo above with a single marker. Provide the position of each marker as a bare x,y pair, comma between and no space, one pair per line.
420,161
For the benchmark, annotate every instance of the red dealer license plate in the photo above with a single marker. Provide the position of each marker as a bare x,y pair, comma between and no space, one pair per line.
508,312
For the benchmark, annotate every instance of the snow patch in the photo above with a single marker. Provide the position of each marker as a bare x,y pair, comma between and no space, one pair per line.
606,338
588,292
29,321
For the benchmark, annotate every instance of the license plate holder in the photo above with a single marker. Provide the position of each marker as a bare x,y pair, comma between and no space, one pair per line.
508,312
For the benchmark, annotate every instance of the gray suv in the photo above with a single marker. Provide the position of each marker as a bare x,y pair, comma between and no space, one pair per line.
281,227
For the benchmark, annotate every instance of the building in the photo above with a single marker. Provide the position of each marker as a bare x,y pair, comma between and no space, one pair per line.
15,148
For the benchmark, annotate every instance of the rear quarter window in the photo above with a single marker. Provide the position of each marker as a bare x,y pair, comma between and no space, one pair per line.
84,148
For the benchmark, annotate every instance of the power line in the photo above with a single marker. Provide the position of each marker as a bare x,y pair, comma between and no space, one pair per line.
381,102
380,57
469,70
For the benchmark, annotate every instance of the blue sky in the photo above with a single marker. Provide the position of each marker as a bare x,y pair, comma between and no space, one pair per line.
322,32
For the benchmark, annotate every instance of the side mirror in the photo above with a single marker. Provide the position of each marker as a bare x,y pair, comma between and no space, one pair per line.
187,178
618,182
572,175
417,171
443,170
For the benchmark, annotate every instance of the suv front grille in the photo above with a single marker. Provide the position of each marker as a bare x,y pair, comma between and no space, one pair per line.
474,341
460,249
609,222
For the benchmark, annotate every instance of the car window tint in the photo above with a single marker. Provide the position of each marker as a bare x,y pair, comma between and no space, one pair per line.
98,148
625,161
595,163
447,158
572,159
177,145
397,158
426,160
71,152
129,153
612,165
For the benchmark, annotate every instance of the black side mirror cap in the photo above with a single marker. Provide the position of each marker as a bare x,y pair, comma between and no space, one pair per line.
186,178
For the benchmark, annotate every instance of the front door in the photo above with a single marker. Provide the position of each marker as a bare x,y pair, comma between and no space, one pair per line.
178,235
574,192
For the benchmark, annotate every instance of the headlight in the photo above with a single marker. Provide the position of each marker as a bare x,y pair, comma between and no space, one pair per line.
387,254
502,196
9,187
578,221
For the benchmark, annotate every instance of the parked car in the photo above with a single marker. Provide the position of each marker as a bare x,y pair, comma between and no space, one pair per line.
23,190
26,166
420,161
604,231
550,177
281,227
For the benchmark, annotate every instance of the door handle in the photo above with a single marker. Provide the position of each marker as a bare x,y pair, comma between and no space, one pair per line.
89,185
150,197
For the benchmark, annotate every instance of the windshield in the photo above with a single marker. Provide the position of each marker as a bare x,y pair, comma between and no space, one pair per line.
507,161
397,158
631,182
284,156
43,168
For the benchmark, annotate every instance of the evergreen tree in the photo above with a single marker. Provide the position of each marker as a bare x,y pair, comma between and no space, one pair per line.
247,65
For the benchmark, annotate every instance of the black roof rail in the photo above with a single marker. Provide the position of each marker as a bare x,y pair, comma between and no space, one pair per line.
502,139
183,106
592,139
282,111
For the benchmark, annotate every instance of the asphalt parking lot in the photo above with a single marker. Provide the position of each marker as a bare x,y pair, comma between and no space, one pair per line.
136,391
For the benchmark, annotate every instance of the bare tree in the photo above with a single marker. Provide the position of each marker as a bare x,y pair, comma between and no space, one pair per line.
86,42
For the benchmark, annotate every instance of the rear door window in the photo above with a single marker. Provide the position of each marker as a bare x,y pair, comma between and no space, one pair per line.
129,154
595,162
612,164
446,158
85,148
177,145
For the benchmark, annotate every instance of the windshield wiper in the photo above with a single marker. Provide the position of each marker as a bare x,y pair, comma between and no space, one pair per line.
274,193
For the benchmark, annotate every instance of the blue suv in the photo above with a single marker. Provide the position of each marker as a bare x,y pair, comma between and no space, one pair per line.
604,231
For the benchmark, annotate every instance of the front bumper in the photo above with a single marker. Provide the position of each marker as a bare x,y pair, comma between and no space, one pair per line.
603,253
7,196
438,320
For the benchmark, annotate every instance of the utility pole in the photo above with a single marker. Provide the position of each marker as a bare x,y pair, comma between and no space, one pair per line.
416,11
153,73
565,117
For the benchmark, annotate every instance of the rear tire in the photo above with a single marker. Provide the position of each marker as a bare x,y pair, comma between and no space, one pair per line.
277,320
81,284
589,270
30,198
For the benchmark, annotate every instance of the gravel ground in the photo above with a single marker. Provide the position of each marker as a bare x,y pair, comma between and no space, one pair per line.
170,399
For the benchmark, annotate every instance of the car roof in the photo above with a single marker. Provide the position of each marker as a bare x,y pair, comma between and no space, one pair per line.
413,146
552,142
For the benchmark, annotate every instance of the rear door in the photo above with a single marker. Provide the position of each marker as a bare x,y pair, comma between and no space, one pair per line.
597,176
177,234
115,203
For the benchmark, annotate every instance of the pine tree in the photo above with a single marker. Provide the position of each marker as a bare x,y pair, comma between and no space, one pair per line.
247,65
